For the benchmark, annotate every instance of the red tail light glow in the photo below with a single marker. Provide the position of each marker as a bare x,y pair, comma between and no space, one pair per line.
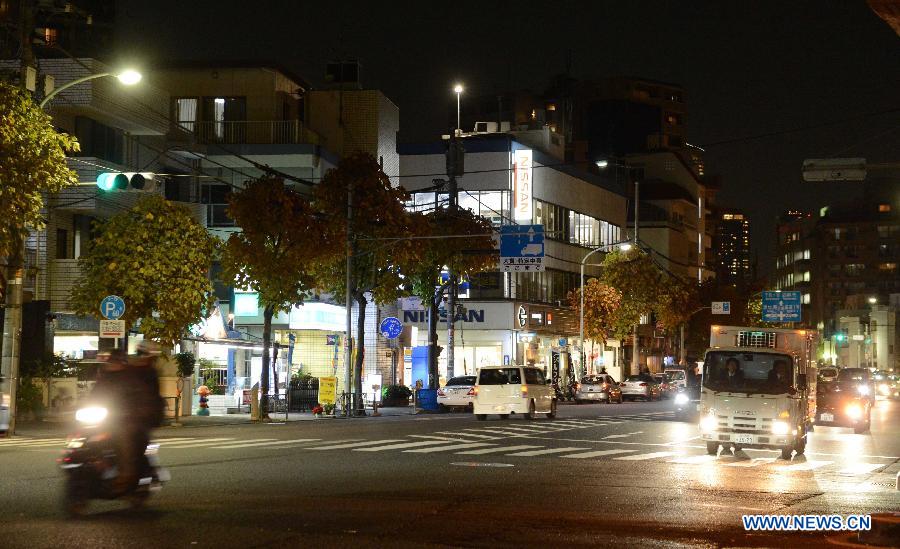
472,392
642,384
441,393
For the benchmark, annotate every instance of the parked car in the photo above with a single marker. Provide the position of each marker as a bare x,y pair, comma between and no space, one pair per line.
505,390
598,388
457,393
677,378
846,402
634,387
666,388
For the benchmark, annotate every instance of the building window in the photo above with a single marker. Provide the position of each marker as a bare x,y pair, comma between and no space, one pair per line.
99,140
887,267
51,36
806,299
62,244
806,276
854,269
185,112
884,208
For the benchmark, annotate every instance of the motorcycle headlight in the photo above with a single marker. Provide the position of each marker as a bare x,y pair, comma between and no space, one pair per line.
709,423
863,390
884,389
681,399
780,428
854,411
91,415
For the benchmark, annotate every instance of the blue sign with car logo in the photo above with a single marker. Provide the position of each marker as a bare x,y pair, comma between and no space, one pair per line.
391,327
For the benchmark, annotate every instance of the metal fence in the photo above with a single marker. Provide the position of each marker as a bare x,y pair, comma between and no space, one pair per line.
303,396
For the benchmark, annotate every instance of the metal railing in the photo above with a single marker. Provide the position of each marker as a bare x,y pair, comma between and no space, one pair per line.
248,132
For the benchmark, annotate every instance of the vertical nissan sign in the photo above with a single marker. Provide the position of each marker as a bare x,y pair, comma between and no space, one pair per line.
522,187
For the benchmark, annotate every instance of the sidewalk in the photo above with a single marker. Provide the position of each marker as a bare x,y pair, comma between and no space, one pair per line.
63,425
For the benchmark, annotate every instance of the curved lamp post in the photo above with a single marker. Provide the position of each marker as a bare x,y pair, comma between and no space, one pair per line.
624,246
127,77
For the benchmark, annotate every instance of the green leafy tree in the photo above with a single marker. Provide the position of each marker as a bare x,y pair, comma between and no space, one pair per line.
458,241
280,239
156,257
379,257
601,307
33,163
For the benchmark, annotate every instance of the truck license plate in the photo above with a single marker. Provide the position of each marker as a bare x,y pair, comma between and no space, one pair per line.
743,439
827,417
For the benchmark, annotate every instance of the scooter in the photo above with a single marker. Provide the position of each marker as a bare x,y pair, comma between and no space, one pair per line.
90,466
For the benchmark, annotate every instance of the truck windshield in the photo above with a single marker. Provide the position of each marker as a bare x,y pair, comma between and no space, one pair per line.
748,372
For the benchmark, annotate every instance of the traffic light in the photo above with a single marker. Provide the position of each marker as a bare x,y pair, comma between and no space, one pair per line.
126,181
840,336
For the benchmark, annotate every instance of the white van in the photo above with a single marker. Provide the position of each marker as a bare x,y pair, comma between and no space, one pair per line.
506,390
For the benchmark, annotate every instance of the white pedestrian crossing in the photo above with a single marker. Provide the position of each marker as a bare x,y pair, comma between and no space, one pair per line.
473,435
276,442
243,443
401,446
808,466
751,462
598,453
353,444
641,457
549,451
623,435
498,450
449,448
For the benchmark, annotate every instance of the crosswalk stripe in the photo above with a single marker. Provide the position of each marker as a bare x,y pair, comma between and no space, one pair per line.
860,468
349,444
548,451
36,443
277,442
434,437
694,460
172,439
751,462
293,442
808,466
26,442
485,437
243,443
500,449
623,435
451,447
598,453
404,445
641,457
193,443
498,431
528,431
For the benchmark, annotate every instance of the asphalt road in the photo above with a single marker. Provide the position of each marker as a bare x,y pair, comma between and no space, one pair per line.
597,475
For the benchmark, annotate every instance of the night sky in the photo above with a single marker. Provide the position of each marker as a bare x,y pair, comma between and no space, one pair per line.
749,68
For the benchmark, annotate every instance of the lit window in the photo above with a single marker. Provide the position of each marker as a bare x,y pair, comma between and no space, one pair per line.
806,276
806,299
51,36
884,207
551,107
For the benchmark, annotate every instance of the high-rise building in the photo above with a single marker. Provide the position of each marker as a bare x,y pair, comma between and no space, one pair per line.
731,246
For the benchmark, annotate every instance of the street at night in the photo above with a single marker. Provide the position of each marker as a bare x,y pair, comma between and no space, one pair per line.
598,474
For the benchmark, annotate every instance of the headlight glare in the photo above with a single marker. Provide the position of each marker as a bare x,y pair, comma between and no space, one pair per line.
709,423
780,428
854,411
681,399
91,415
863,390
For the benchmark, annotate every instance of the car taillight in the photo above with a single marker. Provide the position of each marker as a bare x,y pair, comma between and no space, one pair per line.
441,393
606,385
642,384
472,392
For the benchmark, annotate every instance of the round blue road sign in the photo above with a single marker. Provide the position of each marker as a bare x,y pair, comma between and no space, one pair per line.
391,327
112,307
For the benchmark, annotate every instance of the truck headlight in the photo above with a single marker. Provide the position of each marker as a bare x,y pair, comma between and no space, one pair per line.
780,428
681,399
854,411
863,390
709,423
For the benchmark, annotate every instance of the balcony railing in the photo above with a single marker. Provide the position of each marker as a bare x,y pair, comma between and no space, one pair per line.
288,132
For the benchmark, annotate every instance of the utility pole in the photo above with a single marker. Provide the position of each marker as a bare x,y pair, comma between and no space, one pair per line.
635,348
15,272
348,301
455,167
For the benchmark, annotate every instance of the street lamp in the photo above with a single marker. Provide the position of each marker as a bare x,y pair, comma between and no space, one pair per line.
458,89
128,77
873,300
624,246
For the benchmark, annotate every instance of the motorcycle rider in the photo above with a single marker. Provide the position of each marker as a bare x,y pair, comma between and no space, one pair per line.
130,391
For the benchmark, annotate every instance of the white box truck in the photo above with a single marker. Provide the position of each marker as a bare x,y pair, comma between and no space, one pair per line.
758,389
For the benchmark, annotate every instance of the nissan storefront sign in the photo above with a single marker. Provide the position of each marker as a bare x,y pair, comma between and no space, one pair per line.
477,315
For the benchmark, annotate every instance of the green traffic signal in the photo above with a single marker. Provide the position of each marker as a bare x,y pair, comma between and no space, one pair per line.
839,337
113,181
106,181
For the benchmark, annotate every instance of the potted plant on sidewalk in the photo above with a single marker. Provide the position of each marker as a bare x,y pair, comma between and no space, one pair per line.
395,395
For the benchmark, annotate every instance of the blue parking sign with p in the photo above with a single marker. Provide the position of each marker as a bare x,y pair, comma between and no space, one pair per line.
112,307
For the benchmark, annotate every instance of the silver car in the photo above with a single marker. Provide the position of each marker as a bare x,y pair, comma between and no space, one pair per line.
457,393
635,386
598,388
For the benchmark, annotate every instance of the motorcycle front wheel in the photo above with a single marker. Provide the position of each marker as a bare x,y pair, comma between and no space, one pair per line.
75,498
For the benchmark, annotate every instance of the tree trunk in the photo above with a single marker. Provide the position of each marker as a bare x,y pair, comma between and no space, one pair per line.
433,349
275,348
264,374
359,406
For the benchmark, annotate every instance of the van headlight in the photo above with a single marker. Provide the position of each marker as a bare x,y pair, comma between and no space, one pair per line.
681,399
709,423
863,390
91,415
854,411
780,428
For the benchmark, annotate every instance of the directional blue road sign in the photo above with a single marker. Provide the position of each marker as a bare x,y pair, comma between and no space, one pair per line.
521,248
391,327
781,307
112,307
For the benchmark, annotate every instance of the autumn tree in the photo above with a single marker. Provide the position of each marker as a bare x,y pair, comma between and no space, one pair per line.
378,225
457,241
156,257
272,255
601,305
